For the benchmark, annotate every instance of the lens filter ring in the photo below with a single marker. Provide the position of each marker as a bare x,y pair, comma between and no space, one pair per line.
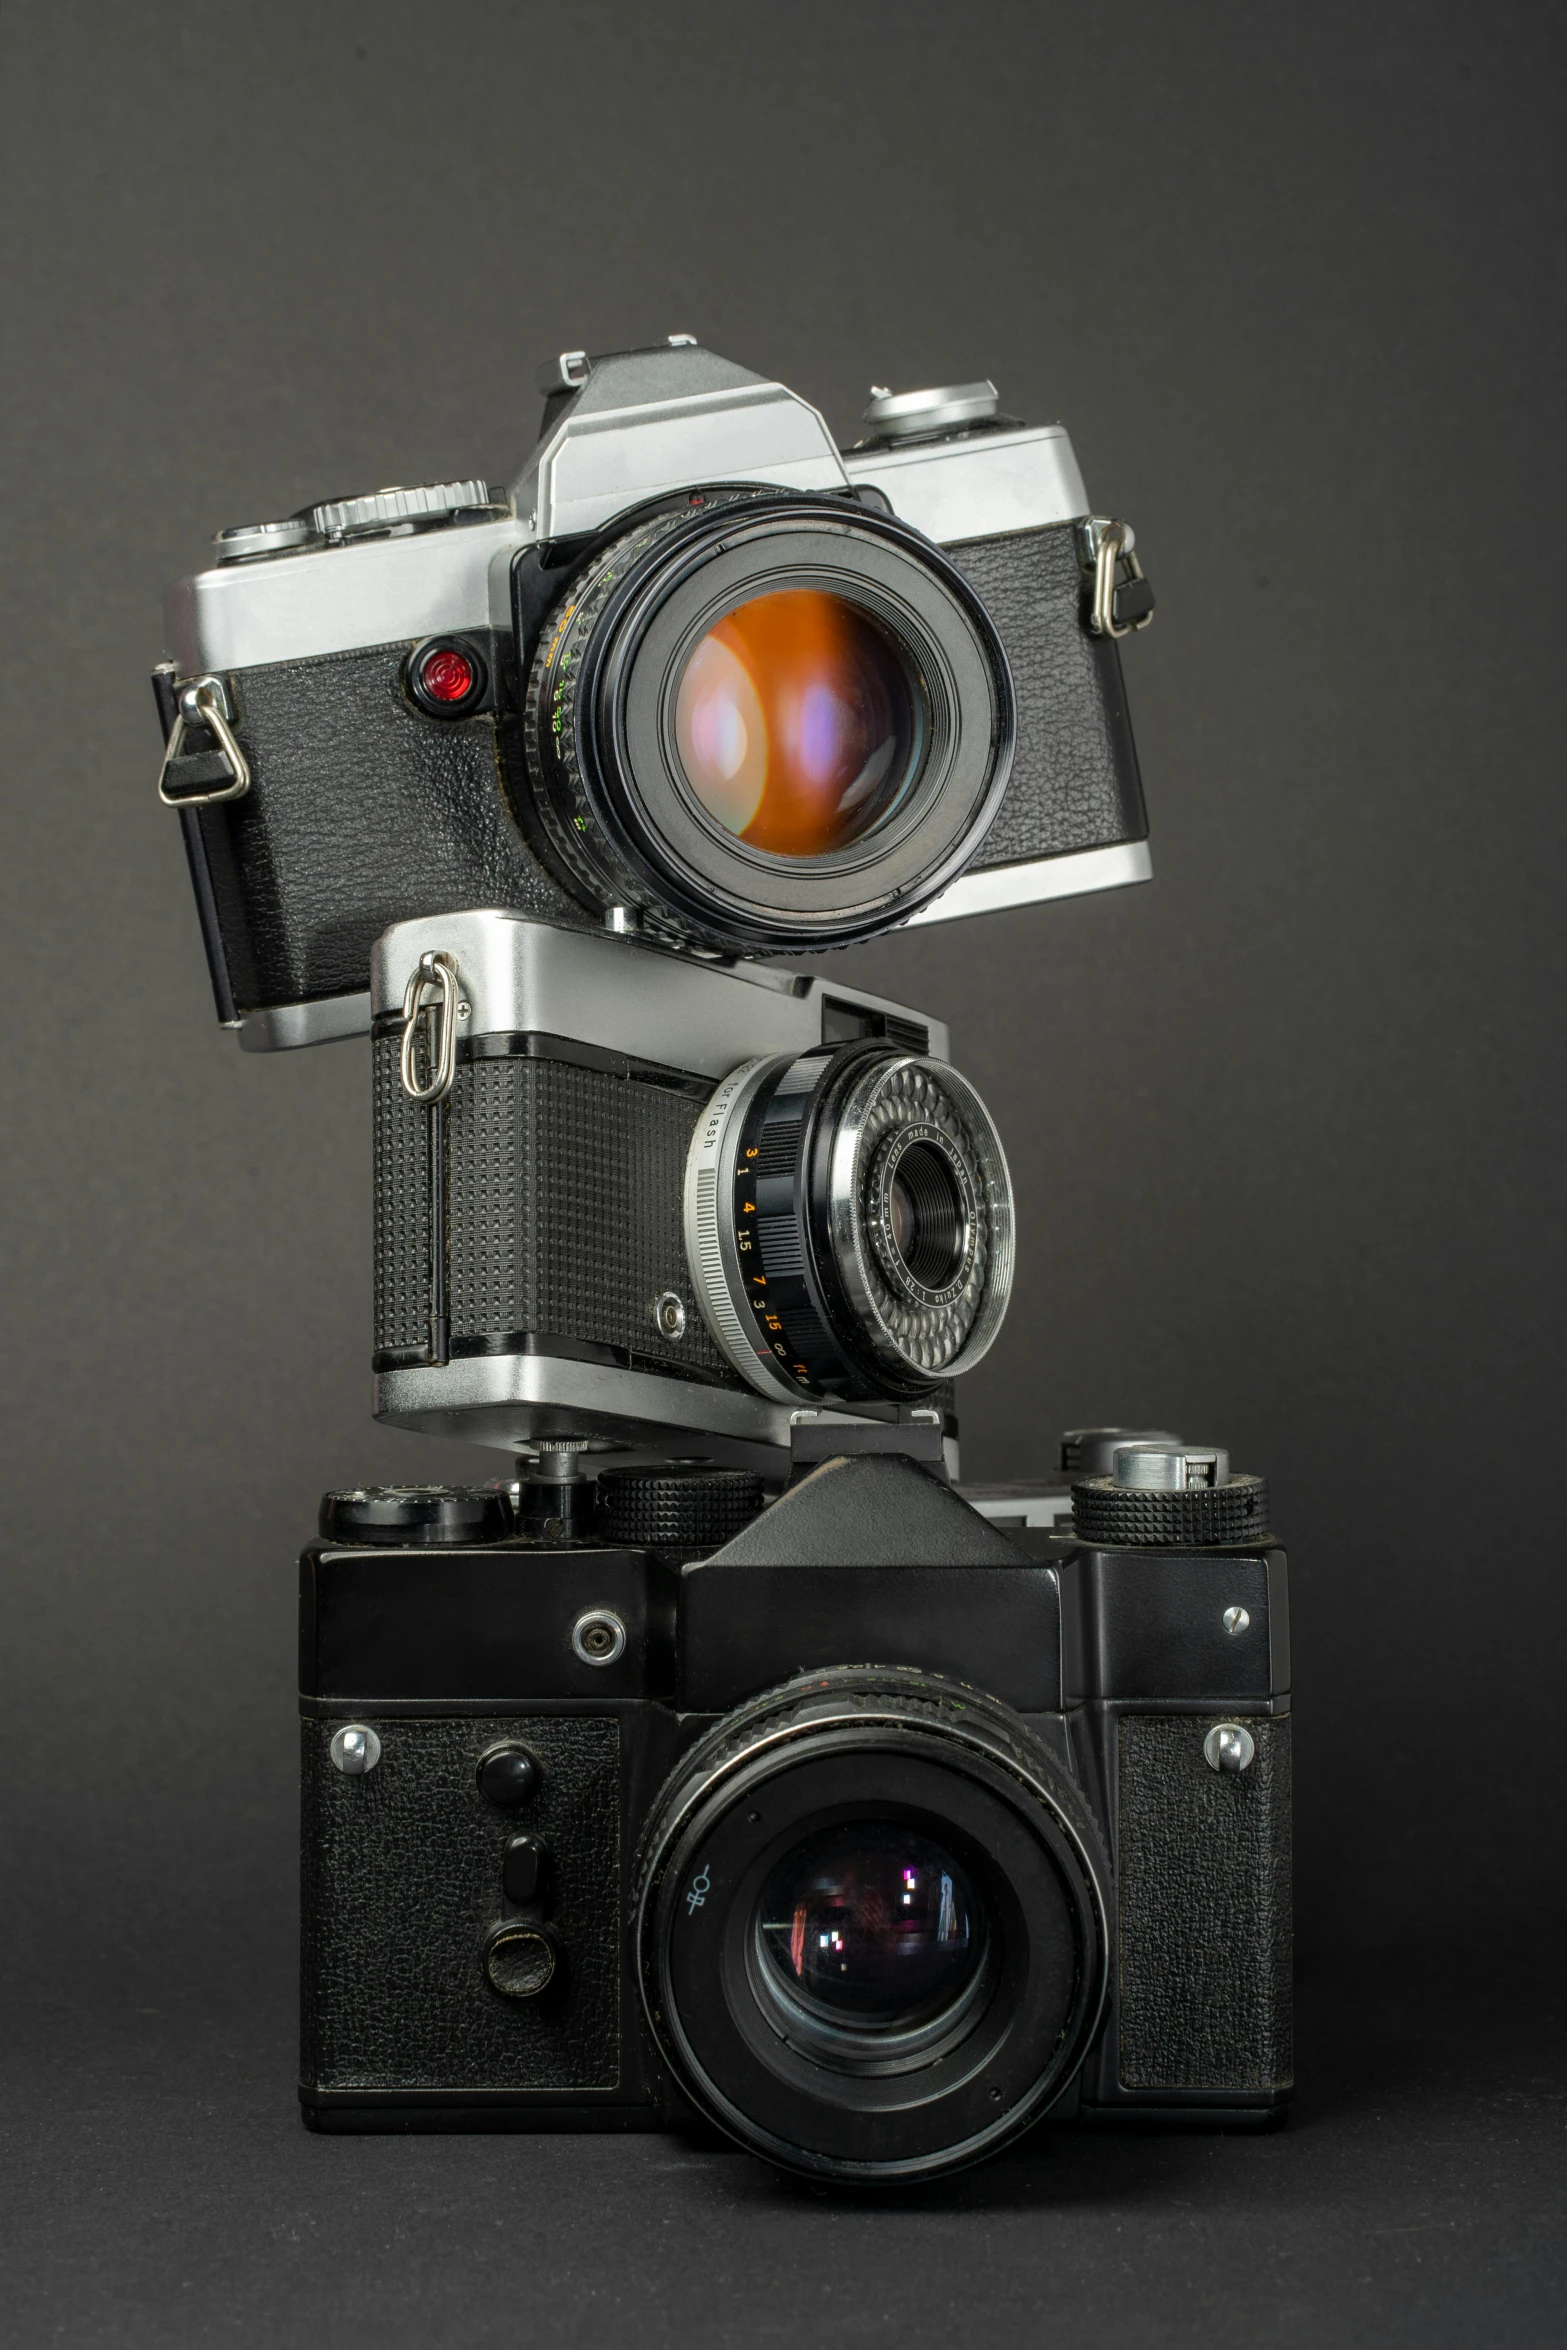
870,1915
919,1208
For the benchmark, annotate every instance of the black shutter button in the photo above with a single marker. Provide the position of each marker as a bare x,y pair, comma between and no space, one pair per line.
508,1775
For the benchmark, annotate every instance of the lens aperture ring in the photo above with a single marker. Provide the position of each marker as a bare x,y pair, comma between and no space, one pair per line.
553,721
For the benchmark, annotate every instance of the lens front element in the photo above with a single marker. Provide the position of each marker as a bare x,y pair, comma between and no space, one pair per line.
869,1936
799,723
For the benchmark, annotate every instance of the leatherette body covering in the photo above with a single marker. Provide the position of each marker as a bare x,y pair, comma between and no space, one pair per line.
1203,1889
563,1202
402,1883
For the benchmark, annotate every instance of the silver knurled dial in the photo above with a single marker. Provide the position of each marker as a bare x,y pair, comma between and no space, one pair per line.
385,509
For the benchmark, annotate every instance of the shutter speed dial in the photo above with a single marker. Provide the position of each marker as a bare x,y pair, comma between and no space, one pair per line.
374,514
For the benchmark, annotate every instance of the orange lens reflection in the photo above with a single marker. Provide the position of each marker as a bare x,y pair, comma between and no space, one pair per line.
797,723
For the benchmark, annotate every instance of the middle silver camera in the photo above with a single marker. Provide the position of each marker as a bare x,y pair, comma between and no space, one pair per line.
627,1196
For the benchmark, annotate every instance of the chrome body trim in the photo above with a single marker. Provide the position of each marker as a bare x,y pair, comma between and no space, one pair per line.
596,465
998,886
519,975
294,607
279,1027
513,1400
978,488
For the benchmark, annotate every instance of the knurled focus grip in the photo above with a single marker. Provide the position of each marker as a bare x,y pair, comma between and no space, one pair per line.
1202,1517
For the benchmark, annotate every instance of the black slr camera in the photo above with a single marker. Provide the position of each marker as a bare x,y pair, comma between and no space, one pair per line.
696,672
609,1824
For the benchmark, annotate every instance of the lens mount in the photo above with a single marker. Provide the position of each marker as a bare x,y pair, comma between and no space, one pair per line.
770,723
815,2023
849,1224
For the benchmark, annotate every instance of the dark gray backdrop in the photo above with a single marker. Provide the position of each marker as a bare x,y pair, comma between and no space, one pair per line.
1285,1125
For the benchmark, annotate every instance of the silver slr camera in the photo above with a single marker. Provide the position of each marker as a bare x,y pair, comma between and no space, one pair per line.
696,672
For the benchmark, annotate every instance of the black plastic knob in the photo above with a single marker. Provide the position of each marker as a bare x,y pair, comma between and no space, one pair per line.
521,1958
1198,1517
508,1776
680,1506
416,1516
523,1866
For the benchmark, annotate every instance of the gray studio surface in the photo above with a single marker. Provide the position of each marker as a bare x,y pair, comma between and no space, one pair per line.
1281,1123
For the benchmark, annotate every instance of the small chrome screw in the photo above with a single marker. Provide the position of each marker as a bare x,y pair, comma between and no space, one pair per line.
355,1749
1237,1619
464,1011
1229,1747
670,1315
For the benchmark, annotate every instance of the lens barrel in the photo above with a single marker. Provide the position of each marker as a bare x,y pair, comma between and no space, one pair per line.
849,1224
769,723
870,1915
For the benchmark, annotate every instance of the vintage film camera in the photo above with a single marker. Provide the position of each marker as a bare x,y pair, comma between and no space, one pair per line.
621,1829
696,671
631,1197
726,1764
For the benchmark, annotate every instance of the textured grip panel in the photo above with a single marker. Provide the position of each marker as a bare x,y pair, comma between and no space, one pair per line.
1074,783
402,1882
361,812
402,1206
1203,1881
564,1192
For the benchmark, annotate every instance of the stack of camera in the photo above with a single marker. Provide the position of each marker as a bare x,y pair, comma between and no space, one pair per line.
724,1761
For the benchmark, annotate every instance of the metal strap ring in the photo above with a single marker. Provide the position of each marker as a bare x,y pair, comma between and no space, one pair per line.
209,714
1112,546
431,994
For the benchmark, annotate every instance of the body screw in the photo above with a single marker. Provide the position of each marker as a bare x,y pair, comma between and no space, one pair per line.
1229,1747
355,1749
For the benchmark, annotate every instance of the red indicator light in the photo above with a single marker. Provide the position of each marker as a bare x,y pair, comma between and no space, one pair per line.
447,675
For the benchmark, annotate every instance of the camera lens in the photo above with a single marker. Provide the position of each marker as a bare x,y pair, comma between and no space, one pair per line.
800,722
870,1923
767,722
868,1935
849,1224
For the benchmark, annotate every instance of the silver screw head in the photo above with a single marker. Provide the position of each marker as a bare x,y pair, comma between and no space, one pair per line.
1229,1747
670,1315
355,1749
598,1636
1237,1619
